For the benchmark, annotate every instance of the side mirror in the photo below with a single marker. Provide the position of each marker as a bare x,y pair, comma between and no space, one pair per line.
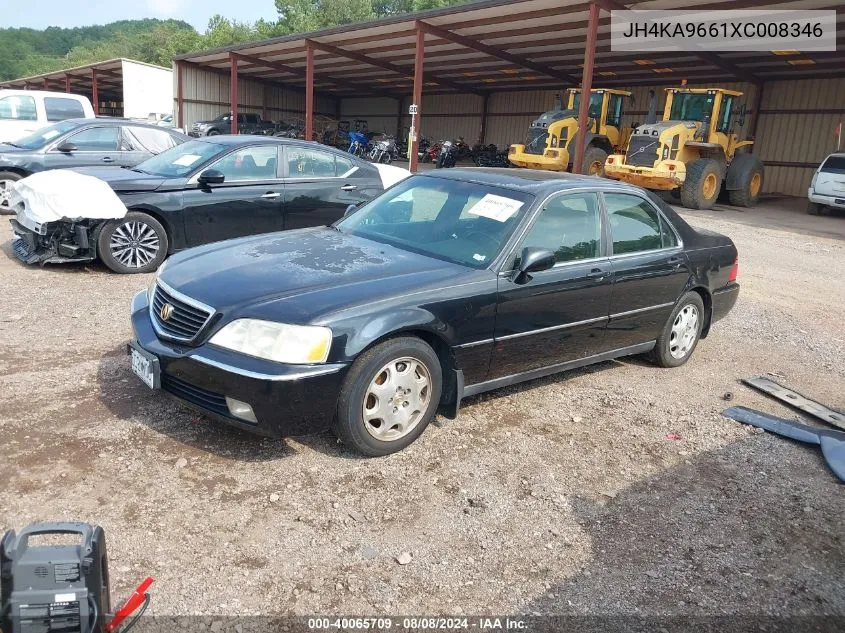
533,260
67,148
211,177
350,210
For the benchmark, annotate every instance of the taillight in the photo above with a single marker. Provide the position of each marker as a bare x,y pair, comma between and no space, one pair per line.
734,271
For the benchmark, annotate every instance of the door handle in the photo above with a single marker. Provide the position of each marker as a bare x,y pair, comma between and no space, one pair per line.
270,195
675,262
348,187
597,274
108,159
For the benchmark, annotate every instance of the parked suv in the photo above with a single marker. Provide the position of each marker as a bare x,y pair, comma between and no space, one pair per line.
23,112
248,123
828,186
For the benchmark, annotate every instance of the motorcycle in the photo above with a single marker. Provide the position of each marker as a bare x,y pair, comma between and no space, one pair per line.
383,150
358,144
448,156
464,151
490,156
430,153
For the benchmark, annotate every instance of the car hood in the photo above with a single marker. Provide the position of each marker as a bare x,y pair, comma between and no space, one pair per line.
301,275
121,179
5,148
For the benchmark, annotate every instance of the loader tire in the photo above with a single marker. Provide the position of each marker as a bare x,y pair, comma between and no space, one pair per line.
702,185
747,171
593,163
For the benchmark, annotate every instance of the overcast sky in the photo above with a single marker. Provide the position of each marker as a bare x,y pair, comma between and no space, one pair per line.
40,14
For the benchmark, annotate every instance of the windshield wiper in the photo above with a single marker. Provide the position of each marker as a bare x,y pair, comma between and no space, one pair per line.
13,144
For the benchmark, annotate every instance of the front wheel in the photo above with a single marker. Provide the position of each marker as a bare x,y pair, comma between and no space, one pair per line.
213,133
137,243
389,396
7,179
681,333
593,163
702,184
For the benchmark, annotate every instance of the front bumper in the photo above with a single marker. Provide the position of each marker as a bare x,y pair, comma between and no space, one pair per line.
287,400
521,158
837,202
53,243
660,177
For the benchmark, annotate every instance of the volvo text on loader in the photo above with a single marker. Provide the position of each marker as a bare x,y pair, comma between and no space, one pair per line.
552,137
693,151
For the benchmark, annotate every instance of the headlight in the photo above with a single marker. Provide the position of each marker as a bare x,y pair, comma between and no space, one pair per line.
151,289
295,344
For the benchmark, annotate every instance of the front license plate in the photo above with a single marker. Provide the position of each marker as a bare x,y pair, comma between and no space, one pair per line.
145,366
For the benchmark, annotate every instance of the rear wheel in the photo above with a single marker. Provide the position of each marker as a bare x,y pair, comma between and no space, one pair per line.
593,163
702,184
389,396
681,333
747,172
137,243
7,179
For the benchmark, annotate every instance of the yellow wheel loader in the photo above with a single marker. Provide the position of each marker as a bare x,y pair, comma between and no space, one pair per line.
693,152
553,136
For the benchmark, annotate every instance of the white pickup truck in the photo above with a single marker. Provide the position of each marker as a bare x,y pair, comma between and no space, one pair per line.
22,112
828,186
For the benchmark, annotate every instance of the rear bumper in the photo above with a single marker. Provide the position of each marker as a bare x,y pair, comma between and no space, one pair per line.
659,177
724,300
521,158
837,202
287,400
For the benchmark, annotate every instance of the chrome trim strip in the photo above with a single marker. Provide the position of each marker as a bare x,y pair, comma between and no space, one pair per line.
475,343
186,299
619,315
550,329
308,372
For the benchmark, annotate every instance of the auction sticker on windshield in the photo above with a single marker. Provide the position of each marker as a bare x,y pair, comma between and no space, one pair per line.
187,160
496,207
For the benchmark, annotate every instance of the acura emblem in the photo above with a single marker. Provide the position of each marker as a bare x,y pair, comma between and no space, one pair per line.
166,311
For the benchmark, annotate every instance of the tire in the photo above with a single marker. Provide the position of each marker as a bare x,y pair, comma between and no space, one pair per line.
440,163
213,133
6,180
359,393
676,342
593,163
748,172
813,208
125,231
702,185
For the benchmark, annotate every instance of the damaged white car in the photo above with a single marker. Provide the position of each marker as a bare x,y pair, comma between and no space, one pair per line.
199,192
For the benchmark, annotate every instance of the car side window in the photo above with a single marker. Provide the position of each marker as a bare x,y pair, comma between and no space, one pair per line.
635,225
569,225
310,163
60,108
149,139
249,163
343,165
18,108
96,139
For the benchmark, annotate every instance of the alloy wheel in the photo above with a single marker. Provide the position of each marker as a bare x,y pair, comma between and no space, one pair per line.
5,193
134,244
397,399
684,331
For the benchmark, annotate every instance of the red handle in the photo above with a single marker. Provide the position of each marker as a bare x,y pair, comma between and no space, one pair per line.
135,600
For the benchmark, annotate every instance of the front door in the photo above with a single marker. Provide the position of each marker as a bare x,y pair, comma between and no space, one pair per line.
649,268
319,187
95,147
560,314
247,202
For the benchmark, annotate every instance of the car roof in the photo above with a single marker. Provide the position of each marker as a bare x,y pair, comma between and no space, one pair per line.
243,139
116,121
533,181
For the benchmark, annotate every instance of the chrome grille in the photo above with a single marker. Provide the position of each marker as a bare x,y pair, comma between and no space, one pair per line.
642,151
187,317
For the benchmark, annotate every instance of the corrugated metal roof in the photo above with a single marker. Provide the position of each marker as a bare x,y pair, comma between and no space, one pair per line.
109,73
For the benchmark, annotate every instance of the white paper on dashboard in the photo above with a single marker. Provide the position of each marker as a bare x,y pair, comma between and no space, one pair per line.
187,160
496,207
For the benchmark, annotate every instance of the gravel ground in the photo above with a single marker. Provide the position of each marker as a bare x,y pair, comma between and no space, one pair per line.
559,496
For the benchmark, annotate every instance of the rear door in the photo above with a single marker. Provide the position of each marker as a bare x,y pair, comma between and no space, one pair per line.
559,314
247,202
830,180
649,266
320,185
95,146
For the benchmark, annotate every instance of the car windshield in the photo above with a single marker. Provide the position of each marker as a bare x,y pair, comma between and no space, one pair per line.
461,222
691,106
39,139
179,161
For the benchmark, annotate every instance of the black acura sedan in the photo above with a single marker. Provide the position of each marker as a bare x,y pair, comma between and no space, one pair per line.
204,191
81,143
447,285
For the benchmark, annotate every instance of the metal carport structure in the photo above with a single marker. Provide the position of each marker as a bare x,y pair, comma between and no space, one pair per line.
490,48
